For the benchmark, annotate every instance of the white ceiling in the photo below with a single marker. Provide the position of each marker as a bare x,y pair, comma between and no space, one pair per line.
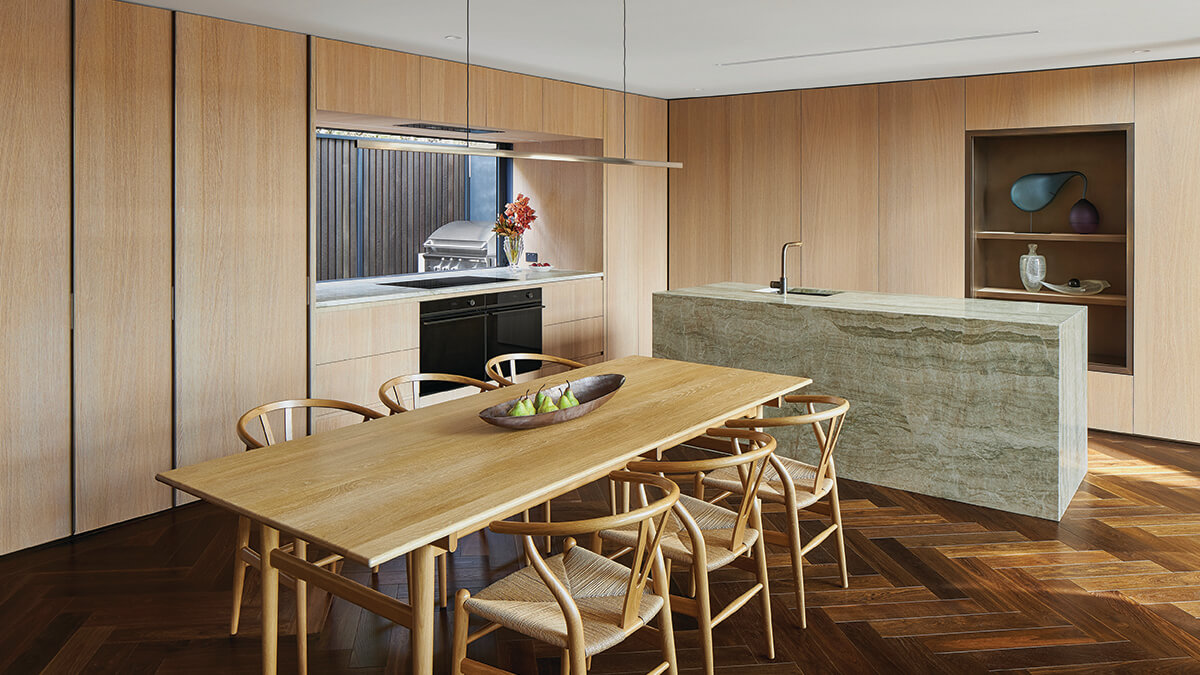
674,45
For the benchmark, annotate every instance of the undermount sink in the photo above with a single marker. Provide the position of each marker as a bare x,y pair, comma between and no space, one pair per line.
823,292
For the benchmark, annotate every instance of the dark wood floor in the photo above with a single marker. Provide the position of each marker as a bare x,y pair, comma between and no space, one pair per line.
936,587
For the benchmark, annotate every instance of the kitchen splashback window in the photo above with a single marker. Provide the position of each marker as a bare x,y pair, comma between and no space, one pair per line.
375,208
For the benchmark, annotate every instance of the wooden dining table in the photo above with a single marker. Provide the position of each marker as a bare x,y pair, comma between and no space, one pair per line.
416,482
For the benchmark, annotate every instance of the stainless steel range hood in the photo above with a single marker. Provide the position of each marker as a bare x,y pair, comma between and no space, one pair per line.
415,146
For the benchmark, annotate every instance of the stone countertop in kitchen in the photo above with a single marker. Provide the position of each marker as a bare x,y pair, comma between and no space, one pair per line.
375,289
891,303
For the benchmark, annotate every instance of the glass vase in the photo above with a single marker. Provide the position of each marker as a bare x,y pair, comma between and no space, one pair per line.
1033,269
514,249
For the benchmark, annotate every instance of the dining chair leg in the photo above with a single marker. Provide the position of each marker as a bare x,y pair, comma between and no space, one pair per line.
612,496
300,550
548,543
704,617
443,589
698,485
760,555
239,571
666,628
836,508
796,546
461,626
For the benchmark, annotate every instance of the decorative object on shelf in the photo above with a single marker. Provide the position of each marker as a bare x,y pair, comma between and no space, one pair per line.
1077,287
516,220
1034,192
589,393
1033,269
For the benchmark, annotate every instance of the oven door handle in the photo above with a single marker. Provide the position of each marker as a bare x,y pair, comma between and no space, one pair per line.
434,322
516,309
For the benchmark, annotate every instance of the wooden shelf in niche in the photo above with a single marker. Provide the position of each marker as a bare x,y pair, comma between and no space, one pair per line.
998,233
1053,236
1050,296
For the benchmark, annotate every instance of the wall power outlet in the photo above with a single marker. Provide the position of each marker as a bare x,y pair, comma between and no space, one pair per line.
530,256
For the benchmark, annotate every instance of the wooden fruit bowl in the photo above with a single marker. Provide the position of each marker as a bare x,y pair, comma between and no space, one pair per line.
592,393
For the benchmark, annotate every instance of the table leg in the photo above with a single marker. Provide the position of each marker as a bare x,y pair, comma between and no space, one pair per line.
270,601
420,595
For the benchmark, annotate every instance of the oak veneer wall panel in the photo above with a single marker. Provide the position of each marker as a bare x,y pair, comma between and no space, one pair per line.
1050,98
699,236
241,232
921,178
839,202
123,372
572,109
635,221
443,91
569,200
35,222
1166,310
1110,402
366,80
648,140
764,153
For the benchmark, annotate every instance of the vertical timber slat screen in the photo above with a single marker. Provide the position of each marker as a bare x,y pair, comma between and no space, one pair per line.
404,197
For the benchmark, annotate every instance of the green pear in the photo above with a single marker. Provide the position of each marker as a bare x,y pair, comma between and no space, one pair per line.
546,406
569,395
522,408
540,398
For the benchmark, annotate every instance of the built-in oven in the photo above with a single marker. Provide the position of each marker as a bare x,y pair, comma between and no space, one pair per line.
459,335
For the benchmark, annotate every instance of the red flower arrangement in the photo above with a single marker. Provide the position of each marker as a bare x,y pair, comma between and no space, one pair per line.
517,218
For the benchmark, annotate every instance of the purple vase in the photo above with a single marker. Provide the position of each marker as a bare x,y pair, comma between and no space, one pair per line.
1084,217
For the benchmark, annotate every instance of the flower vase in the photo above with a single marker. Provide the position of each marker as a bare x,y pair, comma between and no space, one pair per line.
514,249
1032,267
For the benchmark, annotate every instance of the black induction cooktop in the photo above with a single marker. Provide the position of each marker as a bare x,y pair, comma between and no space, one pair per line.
443,282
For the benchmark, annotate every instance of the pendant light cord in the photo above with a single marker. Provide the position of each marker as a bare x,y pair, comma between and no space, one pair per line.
468,41
624,83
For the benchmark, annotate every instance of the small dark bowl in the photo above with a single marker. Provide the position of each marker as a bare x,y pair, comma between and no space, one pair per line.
592,393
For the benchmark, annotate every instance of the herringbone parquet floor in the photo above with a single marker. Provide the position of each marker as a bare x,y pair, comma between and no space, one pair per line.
936,587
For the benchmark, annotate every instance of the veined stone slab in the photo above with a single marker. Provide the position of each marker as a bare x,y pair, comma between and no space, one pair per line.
978,401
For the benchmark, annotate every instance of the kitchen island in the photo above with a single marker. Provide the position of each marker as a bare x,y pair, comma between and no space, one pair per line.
977,401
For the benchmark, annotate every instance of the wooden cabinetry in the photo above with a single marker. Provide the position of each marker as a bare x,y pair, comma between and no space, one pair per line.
572,109
35,307
354,78
1110,402
635,209
1050,98
122,175
700,237
443,91
920,187
569,199
504,100
573,321
839,194
764,193
1166,390
241,233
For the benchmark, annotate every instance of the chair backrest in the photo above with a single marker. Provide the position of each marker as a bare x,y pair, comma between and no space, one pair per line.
260,415
826,425
392,394
749,452
495,370
647,555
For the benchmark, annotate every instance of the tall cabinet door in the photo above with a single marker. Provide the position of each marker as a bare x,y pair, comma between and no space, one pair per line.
123,134
921,177
241,228
1166,310
35,314
839,192
635,212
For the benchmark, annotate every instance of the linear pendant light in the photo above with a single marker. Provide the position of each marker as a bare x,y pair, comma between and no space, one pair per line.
415,146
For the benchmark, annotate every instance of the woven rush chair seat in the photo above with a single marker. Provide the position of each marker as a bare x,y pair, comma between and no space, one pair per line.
803,475
522,601
716,522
